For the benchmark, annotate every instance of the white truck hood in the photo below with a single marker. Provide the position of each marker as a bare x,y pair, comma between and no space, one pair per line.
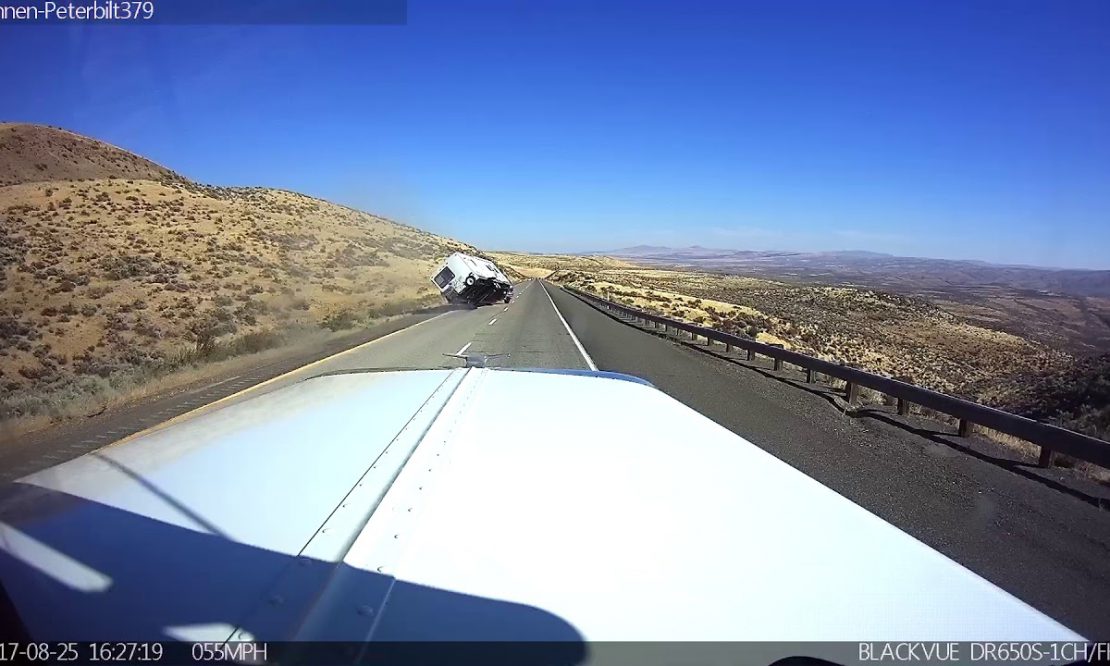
470,504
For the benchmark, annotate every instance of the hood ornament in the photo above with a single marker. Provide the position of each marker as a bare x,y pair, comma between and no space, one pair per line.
477,360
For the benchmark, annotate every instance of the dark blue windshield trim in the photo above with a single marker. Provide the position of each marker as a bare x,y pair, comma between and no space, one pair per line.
584,373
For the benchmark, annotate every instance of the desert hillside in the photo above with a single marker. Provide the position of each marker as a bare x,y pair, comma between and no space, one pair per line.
111,265
932,343
36,153
1077,394
542,265
1062,309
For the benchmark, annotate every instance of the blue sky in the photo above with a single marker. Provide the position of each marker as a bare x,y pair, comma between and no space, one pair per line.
959,130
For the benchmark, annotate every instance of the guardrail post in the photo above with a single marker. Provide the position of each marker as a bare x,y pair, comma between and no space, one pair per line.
728,347
965,427
1046,457
751,354
852,391
903,407
811,375
778,361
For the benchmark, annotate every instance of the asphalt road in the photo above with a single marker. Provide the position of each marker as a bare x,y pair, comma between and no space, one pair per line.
528,329
1039,536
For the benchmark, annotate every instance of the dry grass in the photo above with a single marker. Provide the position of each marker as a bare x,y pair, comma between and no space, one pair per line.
893,335
542,265
37,153
131,385
523,271
105,281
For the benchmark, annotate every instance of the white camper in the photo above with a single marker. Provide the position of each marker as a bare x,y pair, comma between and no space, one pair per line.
467,279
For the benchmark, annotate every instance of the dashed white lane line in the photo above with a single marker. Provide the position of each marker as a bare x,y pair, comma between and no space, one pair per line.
491,321
581,349
464,348
506,309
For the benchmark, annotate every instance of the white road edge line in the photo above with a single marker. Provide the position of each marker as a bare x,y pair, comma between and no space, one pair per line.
251,389
464,348
491,321
581,349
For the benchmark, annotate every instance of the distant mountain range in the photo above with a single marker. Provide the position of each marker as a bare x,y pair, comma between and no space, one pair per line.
873,269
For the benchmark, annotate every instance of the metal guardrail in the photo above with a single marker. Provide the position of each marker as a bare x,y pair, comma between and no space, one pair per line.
1050,438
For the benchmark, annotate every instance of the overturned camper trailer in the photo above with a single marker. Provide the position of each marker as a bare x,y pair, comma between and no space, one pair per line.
472,280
